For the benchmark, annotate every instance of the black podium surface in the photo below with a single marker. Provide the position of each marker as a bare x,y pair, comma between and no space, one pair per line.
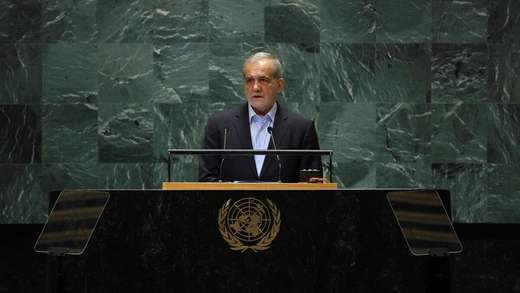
327,241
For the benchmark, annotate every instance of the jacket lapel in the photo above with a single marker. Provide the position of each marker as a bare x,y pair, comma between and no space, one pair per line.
243,130
281,124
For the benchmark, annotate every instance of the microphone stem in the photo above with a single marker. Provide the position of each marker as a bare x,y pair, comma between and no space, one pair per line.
223,156
279,170
270,130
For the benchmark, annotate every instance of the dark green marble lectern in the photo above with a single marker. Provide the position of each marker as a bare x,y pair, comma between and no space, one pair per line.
324,241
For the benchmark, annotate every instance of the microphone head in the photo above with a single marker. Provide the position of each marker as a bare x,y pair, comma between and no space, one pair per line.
270,130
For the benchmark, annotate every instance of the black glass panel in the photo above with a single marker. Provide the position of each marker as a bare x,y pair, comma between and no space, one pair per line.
72,220
424,222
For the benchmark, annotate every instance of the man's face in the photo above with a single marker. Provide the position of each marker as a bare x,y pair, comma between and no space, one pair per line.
261,86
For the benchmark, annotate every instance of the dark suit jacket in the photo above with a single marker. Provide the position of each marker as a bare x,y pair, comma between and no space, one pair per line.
291,131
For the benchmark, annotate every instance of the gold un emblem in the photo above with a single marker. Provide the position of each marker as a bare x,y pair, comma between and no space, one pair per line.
249,224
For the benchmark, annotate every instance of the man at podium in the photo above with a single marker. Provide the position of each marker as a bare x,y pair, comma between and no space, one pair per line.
261,124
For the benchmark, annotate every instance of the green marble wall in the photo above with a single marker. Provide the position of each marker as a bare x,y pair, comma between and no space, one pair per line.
418,94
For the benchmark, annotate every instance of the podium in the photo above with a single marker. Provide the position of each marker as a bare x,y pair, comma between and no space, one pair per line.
327,240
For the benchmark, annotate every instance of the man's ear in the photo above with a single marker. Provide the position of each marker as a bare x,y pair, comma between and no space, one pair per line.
280,83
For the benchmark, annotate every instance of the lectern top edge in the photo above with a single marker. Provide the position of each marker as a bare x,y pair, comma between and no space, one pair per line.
247,186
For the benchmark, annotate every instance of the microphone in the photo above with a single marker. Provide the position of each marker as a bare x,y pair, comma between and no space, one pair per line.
223,156
270,130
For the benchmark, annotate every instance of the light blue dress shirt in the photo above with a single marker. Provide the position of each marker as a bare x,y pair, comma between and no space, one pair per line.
259,135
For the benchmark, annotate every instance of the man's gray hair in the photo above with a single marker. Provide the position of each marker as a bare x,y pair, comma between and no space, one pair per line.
278,70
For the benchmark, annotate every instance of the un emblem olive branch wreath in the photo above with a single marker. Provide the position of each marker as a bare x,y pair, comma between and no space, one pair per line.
235,243
264,243
230,238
